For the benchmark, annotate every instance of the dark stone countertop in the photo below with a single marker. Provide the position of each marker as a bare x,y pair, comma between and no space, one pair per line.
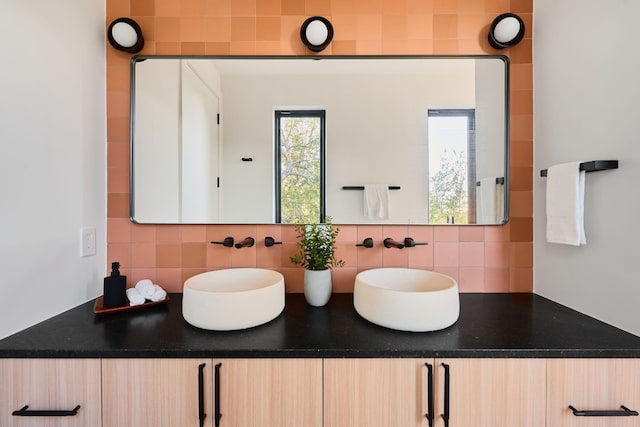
490,325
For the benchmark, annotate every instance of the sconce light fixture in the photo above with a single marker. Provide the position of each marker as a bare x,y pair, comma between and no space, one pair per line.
125,34
316,33
507,30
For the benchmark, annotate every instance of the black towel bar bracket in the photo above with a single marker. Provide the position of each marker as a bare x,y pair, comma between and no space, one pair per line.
361,187
592,166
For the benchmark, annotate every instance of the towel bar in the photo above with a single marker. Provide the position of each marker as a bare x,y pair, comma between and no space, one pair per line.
499,180
592,166
361,187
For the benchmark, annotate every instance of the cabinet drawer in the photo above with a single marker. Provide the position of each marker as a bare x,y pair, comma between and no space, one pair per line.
375,392
55,386
157,392
270,392
592,385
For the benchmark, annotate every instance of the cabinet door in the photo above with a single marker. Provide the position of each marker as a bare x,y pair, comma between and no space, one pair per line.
269,392
593,385
375,392
491,392
156,392
56,386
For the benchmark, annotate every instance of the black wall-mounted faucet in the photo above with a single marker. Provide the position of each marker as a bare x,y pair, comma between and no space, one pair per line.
390,243
410,243
270,241
228,242
367,243
246,243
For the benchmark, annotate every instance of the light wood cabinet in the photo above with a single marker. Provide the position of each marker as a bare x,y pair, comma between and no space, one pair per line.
157,392
269,392
491,392
321,392
374,392
480,392
596,388
61,392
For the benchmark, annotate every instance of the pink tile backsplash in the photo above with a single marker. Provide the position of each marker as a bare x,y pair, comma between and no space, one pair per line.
471,254
446,254
481,258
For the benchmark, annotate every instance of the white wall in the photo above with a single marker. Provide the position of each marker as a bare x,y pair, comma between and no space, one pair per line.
157,142
587,107
199,143
490,119
52,156
176,103
394,155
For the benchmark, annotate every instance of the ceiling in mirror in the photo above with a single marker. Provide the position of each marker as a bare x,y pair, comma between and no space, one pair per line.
364,140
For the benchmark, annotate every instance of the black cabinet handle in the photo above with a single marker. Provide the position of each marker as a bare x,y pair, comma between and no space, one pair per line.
201,414
217,414
429,414
623,412
22,412
447,385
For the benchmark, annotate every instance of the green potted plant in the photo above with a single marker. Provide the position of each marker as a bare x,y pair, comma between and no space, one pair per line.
316,253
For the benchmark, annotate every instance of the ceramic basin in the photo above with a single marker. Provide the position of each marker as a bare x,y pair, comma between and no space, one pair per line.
407,299
231,299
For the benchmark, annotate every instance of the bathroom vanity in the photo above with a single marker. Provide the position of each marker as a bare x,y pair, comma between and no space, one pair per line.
511,359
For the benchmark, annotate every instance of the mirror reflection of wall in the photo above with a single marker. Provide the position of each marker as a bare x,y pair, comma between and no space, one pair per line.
176,157
377,130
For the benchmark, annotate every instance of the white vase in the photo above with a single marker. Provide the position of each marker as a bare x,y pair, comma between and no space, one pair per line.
317,287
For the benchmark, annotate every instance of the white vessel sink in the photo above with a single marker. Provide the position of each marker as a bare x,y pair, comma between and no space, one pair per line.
407,299
231,299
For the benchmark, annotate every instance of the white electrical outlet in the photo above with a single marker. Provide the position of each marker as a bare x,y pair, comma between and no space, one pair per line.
88,241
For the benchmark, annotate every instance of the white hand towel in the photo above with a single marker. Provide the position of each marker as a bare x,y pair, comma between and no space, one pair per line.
499,217
376,201
565,204
159,294
135,297
145,287
486,201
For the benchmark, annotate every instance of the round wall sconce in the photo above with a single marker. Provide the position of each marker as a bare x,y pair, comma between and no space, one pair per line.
507,30
125,34
316,33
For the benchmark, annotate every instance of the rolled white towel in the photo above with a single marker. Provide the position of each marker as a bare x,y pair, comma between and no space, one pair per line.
159,294
145,287
135,297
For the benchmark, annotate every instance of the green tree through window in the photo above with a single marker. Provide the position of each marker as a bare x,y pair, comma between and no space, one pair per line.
300,146
452,165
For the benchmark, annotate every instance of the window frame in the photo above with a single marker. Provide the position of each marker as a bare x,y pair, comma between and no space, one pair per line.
316,113
470,114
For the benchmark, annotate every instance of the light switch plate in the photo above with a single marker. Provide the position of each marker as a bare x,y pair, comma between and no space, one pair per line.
88,241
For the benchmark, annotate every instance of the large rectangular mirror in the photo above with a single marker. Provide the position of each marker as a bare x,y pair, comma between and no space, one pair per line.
364,140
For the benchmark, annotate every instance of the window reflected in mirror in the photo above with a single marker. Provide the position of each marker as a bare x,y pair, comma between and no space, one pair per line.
300,140
452,166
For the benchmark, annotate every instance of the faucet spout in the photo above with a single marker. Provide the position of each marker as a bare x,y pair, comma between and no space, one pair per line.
246,243
390,243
